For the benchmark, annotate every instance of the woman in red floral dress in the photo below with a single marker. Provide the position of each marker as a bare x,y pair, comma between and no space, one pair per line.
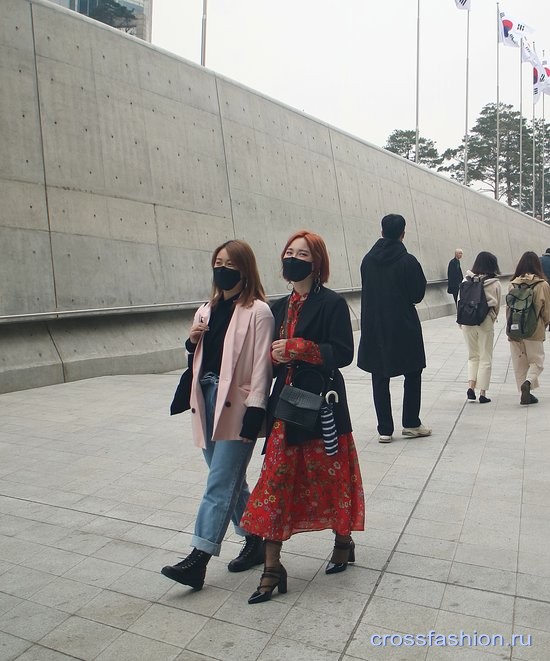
301,487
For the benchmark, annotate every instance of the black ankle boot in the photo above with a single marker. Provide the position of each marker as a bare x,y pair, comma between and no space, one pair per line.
190,571
252,553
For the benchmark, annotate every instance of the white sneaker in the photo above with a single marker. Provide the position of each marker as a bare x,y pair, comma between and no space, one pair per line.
415,432
384,439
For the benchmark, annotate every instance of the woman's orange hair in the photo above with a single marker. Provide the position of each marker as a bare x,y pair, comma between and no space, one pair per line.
318,248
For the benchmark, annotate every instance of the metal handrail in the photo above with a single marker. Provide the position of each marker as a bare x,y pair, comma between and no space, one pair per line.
141,309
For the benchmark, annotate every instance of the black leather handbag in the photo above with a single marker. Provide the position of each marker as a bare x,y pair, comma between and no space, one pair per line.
301,407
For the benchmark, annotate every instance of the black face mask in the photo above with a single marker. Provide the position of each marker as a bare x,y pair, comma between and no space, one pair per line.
225,278
295,269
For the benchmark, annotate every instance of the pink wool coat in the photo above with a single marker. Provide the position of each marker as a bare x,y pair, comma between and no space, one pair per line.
245,374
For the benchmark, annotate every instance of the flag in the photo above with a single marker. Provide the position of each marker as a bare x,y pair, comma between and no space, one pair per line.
463,4
528,53
546,87
538,84
511,31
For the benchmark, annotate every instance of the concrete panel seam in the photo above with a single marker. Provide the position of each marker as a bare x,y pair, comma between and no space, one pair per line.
41,133
61,361
340,206
225,157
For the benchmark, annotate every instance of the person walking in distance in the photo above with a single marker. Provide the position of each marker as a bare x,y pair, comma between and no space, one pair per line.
479,339
454,274
391,335
528,352
230,340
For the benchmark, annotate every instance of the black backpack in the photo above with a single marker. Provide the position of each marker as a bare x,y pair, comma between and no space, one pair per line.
472,305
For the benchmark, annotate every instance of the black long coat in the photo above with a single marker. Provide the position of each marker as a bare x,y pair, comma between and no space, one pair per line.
325,320
454,276
391,335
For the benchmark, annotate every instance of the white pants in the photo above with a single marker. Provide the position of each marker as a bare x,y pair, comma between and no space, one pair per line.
479,340
528,361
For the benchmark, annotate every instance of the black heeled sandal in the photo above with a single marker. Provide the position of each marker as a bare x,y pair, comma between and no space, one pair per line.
265,590
337,567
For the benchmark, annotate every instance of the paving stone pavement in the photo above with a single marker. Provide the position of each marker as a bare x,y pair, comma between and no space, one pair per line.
99,489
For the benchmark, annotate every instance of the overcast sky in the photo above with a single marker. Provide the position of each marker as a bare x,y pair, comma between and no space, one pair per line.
352,63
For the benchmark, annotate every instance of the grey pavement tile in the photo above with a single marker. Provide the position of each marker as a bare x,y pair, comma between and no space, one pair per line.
466,654
382,539
535,645
235,610
532,614
434,569
478,603
115,609
52,560
148,535
96,572
533,587
12,647
412,590
142,583
31,621
475,627
355,579
399,616
129,647
202,602
221,640
13,525
17,550
374,643
81,542
169,625
426,546
483,578
65,595
42,533
487,556
123,552
306,626
23,582
434,529
39,653
331,599
81,638
107,527
535,562
7,602
292,650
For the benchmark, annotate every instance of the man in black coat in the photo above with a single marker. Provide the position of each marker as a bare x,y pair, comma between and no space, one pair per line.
391,336
545,263
454,274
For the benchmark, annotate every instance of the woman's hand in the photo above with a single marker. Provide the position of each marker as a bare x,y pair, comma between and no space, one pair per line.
196,331
278,352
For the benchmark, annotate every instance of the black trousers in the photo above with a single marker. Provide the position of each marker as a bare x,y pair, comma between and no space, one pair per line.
411,401
455,296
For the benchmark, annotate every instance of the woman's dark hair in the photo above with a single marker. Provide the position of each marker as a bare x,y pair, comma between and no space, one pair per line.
244,260
486,263
529,263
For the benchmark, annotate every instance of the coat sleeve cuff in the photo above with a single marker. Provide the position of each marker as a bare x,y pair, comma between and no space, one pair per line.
252,421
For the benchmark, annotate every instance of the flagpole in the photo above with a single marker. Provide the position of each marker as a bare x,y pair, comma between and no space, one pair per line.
417,78
543,159
497,196
467,93
520,124
534,140
203,36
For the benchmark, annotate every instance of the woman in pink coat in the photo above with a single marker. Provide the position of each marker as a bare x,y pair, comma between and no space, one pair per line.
230,340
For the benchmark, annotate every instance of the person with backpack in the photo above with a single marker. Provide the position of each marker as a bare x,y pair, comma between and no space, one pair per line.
528,313
478,305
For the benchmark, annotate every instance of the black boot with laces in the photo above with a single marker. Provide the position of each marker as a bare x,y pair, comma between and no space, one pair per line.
190,571
252,553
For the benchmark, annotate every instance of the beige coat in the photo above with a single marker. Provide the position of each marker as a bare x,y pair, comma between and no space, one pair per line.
245,374
541,301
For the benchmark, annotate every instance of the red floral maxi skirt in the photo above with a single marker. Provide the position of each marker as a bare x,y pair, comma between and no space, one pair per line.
300,488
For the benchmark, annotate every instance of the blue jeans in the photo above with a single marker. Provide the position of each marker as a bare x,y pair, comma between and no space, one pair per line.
226,493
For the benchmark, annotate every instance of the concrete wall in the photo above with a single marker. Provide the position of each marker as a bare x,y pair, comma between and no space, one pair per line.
124,166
